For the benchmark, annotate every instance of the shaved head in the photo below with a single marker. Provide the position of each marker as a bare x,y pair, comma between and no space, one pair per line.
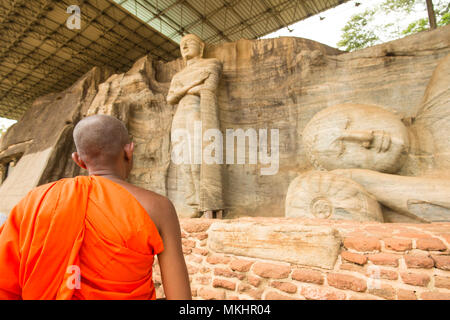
100,139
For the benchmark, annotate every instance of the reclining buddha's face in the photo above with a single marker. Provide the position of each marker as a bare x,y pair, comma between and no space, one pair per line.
350,136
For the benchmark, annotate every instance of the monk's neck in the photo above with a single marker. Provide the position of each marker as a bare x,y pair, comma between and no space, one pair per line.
111,175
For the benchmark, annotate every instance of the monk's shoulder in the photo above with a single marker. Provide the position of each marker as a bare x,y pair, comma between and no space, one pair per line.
158,207
42,189
34,196
157,203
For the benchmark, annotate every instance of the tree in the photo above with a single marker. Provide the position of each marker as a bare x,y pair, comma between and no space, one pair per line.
364,30
356,35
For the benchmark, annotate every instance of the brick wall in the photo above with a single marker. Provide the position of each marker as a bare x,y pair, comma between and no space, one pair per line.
377,261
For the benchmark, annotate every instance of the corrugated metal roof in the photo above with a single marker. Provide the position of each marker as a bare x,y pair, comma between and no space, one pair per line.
224,20
39,54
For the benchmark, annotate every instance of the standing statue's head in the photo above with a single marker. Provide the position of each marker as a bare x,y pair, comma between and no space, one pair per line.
191,46
348,136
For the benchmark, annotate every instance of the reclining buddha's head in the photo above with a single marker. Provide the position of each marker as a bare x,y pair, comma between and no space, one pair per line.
349,136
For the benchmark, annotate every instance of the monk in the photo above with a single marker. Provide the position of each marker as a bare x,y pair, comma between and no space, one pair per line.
93,237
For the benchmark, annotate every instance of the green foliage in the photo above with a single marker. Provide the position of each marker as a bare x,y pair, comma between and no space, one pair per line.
398,5
445,19
356,34
416,26
443,14
359,32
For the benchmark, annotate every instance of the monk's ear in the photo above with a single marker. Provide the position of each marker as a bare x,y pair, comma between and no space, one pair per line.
129,149
76,158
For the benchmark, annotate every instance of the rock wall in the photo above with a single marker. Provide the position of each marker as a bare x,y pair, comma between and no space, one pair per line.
375,261
37,149
266,84
271,84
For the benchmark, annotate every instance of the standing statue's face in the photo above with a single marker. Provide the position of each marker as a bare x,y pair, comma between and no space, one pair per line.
190,48
356,136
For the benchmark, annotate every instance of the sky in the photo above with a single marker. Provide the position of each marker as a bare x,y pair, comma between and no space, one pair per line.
328,30
326,27
6,122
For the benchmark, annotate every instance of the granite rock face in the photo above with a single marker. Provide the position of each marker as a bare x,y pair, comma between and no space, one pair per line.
137,99
266,84
37,149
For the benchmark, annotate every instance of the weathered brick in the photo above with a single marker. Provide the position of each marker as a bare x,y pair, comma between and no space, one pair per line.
195,225
388,274
271,270
415,279
435,296
201,251
403,294
354,257
441,261
222,283
398,244
383,290
419,262
201,236
362,244
216,259
250,291
377,273
204,270
363,296
228,273
431,244
413,235
385,259
353,267
192,269
446,237
321,293
273,295
192,258
187,250
379,230
187,243
346,282
284,286
306,275
203,280
442,282
253,280
241,265
244,287
211,294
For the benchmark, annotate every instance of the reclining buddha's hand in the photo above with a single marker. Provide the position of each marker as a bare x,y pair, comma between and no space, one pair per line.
381,141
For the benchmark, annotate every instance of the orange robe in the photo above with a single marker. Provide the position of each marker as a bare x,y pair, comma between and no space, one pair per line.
78,238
